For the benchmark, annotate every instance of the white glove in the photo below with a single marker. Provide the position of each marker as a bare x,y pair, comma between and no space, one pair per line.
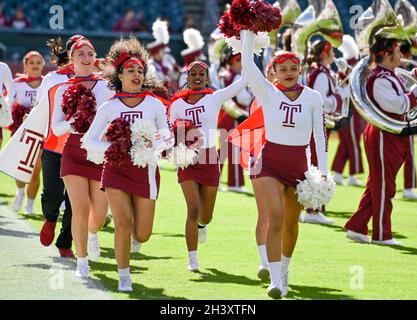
341,64
413,90
344,92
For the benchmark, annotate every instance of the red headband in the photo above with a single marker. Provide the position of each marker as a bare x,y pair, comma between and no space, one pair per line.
132,61
200,63
81,43
128,60
234,58
287,56
326,49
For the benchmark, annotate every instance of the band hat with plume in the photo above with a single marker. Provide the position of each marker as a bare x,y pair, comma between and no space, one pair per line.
349,48
195,43
161,34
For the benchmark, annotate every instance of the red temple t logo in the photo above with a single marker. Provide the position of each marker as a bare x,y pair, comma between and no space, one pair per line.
35,141
195,113
131,116
290,110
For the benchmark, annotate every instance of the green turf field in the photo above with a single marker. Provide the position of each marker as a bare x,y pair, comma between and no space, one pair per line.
325,264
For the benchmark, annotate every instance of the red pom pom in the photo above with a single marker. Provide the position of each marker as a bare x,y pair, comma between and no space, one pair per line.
80,103
18,113
241,14
267,17
226,26
119,134
185,132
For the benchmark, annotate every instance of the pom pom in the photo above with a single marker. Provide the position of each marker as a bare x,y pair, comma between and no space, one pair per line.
182,156
226,26
267,17
5,113
79,103
143,138
119,134
241,14
18,113
95,157
314,192
262,41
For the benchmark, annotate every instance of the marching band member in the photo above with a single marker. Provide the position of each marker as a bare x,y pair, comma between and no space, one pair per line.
320,78
283,160
53,192
386,152
27,88
7,94
195,44
131,190
243,100
81,176
199,182
349,136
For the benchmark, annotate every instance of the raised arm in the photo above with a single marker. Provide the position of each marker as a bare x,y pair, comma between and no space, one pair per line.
59,125
92,138
261,87
221,96
319,131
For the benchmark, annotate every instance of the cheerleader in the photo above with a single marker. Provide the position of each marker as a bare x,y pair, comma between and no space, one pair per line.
292,112
27,88
131,190
232,63
199,182
386,152
54,194
81,176
7,93
319,78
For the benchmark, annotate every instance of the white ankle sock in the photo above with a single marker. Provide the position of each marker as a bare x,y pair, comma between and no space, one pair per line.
263,256
285,262
30,202
275,273
20,192
192,255
92,235
82,261
124,272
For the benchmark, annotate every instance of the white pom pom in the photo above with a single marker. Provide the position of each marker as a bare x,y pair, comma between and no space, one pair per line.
314,192
143,141
262,41
193,39
95,157
182,156
160,31
5,113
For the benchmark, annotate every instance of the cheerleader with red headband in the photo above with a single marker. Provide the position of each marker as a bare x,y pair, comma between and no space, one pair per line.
74,107
199,181
292,112
27,87
131,190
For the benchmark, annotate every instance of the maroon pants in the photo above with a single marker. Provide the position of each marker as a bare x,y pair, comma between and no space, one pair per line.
386,154
409,167
349,147
235,171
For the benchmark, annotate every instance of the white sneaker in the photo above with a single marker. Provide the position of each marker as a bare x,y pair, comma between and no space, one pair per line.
338,179
237,189
82,271
284,282
125,284
409,194
274,292
29,210
134,245
317,218
357,237
62,206
202,234
390,242
263,274
93,247
17,202
193,265
221,189
354,182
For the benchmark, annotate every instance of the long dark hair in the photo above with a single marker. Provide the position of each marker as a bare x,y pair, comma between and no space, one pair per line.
315,52
58,54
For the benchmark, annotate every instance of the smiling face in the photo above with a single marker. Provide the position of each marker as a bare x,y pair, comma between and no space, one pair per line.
198,77
132,78
34,66
83,60
287,73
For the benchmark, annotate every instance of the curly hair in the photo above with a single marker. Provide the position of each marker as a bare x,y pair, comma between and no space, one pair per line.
58,54
134,48
382,45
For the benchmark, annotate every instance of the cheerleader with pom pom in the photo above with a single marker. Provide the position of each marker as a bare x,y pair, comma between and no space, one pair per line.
291,112
199,181
27,87
74,108
130,130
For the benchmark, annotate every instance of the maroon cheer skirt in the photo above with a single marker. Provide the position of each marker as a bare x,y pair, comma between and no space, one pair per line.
205,172
142,182
285,163
74,160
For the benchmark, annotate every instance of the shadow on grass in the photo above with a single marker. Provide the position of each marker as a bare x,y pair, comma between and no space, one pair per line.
109,253
17,234
5,195
306,292
33,217
336,214
140,292
169,235
218,276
